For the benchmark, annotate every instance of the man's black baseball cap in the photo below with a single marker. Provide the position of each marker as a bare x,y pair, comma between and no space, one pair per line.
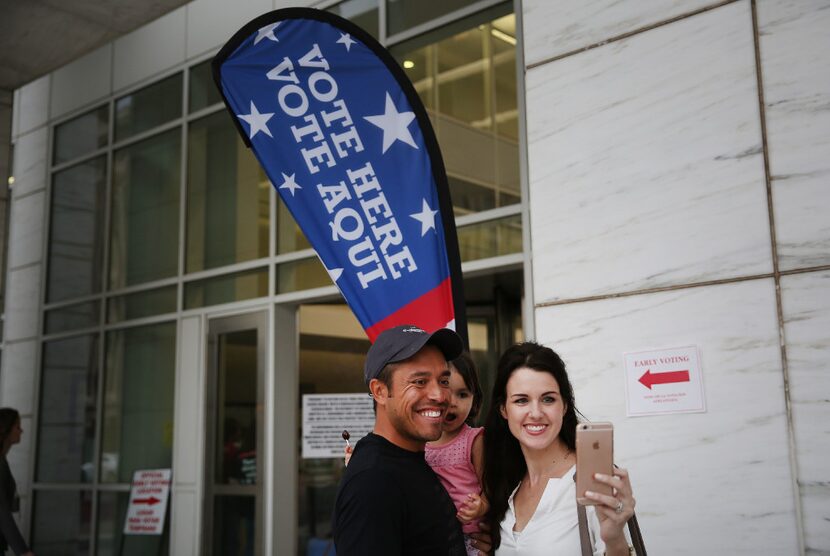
402,342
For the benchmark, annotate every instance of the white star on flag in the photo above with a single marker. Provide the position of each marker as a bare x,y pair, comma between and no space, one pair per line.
257,121
267,32
289,183
347,40
394,125
426,217
335,274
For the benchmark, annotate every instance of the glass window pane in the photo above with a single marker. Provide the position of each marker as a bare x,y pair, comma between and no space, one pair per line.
149,107
66,424
301,275
289,236
138,401
467,81
112,511
490,239
228,197
203,91
76,243
142,304
403,14
145,211
82,315
364,13
234,534
236,435
61,523
225,289
81,135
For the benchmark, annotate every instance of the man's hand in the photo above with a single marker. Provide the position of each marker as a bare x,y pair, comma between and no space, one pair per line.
482,540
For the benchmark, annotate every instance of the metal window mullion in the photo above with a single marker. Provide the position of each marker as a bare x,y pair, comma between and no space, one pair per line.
183,191
488,215
206,111
79,160
158,130
382,27
528,302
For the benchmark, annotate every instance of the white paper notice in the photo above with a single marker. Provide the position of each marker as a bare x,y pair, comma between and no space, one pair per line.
664,381
326,416
148,502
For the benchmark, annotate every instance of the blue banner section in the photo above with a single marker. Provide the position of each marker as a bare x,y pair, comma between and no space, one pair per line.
345,141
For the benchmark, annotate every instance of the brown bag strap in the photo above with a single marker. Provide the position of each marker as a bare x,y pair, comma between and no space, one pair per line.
585,539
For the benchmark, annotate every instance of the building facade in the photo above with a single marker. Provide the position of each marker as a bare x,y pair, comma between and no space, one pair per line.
625,176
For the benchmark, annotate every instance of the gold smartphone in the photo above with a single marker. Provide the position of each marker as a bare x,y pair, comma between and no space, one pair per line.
594,454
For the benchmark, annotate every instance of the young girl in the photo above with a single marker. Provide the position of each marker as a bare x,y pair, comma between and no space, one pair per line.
458,456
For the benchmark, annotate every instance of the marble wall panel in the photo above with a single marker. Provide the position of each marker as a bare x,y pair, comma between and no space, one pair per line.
26,227
150,49
806,303
692,473
77,84
33,111
17,378
22,303
556,27
30,159
794,41
645,161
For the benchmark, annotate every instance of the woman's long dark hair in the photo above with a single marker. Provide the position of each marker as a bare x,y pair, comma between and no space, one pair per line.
504,463
8,417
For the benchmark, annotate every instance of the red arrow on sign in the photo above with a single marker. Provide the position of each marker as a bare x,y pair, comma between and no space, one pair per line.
149,501
669,377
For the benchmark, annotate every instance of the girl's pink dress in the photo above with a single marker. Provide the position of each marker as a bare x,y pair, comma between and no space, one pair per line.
454,466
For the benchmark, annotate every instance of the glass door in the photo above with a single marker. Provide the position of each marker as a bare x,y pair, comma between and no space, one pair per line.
233,488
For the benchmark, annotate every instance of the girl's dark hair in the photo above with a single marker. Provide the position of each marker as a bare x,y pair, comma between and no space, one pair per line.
467,369
504,463
8,417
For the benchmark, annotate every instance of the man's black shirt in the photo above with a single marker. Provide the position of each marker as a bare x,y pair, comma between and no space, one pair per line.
391,503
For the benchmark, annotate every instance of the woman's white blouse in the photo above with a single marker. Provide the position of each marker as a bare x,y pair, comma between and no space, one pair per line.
554,527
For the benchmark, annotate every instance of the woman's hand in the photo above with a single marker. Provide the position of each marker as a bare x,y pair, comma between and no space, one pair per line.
614,511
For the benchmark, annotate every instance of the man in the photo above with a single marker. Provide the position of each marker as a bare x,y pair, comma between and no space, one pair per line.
389,501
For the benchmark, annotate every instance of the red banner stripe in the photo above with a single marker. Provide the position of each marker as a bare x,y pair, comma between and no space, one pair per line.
431,311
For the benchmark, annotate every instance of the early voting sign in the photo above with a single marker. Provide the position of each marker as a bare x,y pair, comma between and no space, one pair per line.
345,140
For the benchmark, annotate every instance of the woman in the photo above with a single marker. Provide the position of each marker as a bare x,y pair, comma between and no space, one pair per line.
529,464
10,433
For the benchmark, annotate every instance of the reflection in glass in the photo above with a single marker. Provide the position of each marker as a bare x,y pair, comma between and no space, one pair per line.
332,350
138,401
236,419
289,236
82,315
145,211
202,91
112,511
364,13
61,523
225,289
142,304
467,81
490,239
299,275
81,135
149,107
234,532
228,197
66,423
76,243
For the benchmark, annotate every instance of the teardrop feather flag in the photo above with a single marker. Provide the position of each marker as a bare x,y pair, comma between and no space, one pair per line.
344,139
